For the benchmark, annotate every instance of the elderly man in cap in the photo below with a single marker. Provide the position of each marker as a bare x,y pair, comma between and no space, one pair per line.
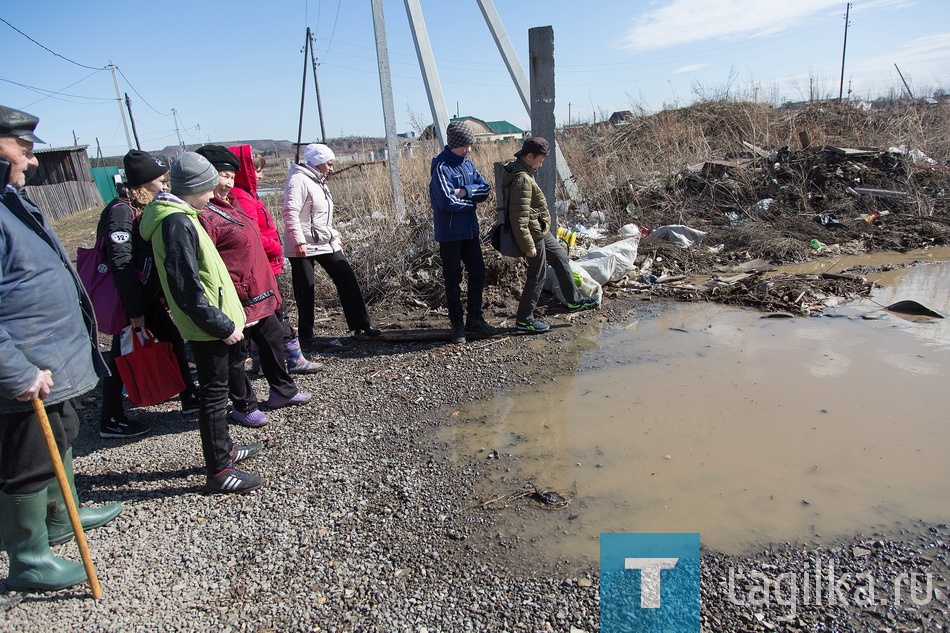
49,350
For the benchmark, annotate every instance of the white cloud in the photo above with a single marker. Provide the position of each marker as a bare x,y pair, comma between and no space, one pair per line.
686,21
691,68
924,55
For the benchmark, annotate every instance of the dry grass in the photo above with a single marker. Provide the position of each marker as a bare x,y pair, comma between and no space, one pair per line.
639,173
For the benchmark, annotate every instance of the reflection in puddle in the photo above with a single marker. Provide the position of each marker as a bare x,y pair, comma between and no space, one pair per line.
747,430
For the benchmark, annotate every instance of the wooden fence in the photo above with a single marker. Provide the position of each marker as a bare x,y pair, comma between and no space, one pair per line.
62,199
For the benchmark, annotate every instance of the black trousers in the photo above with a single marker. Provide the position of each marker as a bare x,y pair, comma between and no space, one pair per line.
268,334
213,360
25,465
454,254
347,288
159,323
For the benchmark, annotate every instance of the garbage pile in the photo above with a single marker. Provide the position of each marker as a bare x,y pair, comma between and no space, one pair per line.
780,206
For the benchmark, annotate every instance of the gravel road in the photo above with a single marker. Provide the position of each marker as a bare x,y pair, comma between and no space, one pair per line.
364,525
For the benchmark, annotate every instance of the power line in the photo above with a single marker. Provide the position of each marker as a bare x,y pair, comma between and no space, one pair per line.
138,94
49,49
56,93
333,30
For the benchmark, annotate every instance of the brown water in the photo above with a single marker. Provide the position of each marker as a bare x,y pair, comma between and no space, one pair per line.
711,419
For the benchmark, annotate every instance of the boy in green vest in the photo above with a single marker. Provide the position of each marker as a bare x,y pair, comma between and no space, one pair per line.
205,308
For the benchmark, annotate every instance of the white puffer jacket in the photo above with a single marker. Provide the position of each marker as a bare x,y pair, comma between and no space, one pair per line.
308,213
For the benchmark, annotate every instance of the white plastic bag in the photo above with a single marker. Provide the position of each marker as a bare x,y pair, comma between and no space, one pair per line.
611,262
586,286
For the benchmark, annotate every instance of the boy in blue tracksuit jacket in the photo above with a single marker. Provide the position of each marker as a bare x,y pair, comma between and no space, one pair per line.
456,187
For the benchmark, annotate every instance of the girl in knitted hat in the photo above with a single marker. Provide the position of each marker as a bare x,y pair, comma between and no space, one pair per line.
130,261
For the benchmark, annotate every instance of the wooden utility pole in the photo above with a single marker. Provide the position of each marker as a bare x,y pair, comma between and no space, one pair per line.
844,49
909,92
316,86
135,133
181,143
389,112
303,95
541,63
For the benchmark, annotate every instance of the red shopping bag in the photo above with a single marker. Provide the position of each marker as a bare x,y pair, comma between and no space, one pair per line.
150,371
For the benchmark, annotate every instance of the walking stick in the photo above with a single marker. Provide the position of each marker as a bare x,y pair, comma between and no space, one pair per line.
67,497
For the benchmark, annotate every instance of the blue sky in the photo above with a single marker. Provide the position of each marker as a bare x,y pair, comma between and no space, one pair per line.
234,68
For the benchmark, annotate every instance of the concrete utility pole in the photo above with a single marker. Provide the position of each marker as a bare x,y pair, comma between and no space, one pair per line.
541,63
516,70
118,100
430,74
389,112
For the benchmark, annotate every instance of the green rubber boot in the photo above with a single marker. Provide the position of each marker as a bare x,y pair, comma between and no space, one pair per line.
32,564
57,519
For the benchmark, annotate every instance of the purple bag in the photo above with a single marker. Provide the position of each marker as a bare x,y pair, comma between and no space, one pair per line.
97,278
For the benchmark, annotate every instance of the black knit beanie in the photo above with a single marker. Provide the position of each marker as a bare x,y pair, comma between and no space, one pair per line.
221,157
141,167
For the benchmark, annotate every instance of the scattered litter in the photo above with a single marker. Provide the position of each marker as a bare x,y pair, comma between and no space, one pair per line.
828,220
913,308
761,207
546,499
678,234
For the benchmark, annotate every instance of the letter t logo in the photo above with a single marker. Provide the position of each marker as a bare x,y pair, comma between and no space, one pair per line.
649,578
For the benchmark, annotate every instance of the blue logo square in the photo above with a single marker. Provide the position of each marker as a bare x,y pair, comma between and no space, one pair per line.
649,583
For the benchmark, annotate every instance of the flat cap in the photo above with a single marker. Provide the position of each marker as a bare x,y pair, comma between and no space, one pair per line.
18,124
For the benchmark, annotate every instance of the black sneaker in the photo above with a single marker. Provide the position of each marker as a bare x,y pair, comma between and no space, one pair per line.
458,334
240,452
532,326
189,402
481,326
122,427
233,480
583,304
368,332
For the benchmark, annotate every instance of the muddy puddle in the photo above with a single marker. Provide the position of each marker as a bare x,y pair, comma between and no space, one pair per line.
710,419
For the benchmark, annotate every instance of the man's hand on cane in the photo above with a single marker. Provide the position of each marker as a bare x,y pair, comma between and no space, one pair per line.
40,387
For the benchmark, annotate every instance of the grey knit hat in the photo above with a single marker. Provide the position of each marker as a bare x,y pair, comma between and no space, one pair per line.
192,173
458,134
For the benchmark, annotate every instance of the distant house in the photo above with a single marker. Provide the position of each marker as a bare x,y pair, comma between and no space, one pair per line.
621,117
485,131
63,183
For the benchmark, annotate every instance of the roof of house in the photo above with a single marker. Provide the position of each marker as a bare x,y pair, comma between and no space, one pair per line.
503,127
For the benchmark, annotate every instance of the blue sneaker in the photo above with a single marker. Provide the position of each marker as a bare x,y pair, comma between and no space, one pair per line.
532,326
